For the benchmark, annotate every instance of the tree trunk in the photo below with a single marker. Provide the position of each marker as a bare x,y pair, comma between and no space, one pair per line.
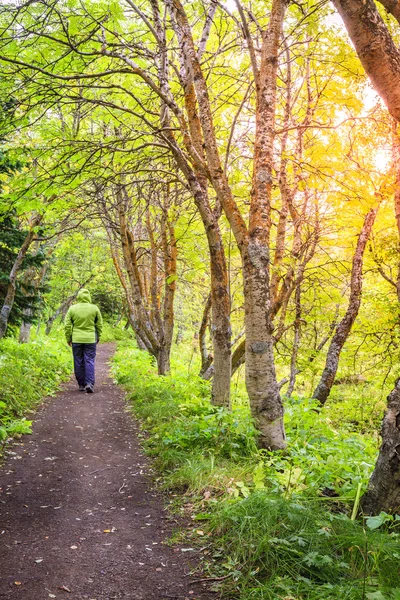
206,357
343,329
11,290
163,360
170,274
261,383
60,311
25,329
239,356
140,343
375,47
220,300
296,343
202,136
384,486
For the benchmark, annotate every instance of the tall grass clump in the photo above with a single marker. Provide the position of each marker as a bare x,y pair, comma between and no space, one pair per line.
282,524
278,548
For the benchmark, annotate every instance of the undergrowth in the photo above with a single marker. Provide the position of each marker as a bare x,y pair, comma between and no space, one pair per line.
281,522
28,373
113,333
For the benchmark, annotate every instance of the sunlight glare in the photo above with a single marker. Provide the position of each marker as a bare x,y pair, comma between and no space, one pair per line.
230,5
383,158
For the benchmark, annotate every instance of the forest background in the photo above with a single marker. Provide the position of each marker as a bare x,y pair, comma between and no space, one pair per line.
224,179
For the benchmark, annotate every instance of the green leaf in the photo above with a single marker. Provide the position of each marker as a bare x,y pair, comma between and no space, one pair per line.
378,520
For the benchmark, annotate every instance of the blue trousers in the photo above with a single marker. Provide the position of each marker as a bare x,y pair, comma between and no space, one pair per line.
84,360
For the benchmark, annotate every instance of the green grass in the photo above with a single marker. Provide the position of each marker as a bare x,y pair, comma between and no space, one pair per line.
112,333
280,522
28,373
278,548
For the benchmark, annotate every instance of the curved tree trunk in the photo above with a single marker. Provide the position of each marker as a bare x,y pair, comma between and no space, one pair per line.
343,329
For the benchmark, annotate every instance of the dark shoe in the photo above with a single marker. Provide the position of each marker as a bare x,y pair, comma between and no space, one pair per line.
89,388
82,388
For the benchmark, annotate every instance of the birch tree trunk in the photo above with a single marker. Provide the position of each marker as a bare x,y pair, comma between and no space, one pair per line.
343,329
170,274
197,179
262,387
261,383
220,301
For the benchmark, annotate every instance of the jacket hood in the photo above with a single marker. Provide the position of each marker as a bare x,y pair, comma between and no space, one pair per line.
84,296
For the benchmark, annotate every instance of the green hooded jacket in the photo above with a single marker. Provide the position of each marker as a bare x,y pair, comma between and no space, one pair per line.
83,321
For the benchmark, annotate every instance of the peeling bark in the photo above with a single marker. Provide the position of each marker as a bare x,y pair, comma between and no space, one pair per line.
261,383
198,183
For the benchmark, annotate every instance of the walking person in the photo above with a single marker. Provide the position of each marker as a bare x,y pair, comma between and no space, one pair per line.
83,326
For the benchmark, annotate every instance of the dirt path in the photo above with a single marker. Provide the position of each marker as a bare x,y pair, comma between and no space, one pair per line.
78,512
